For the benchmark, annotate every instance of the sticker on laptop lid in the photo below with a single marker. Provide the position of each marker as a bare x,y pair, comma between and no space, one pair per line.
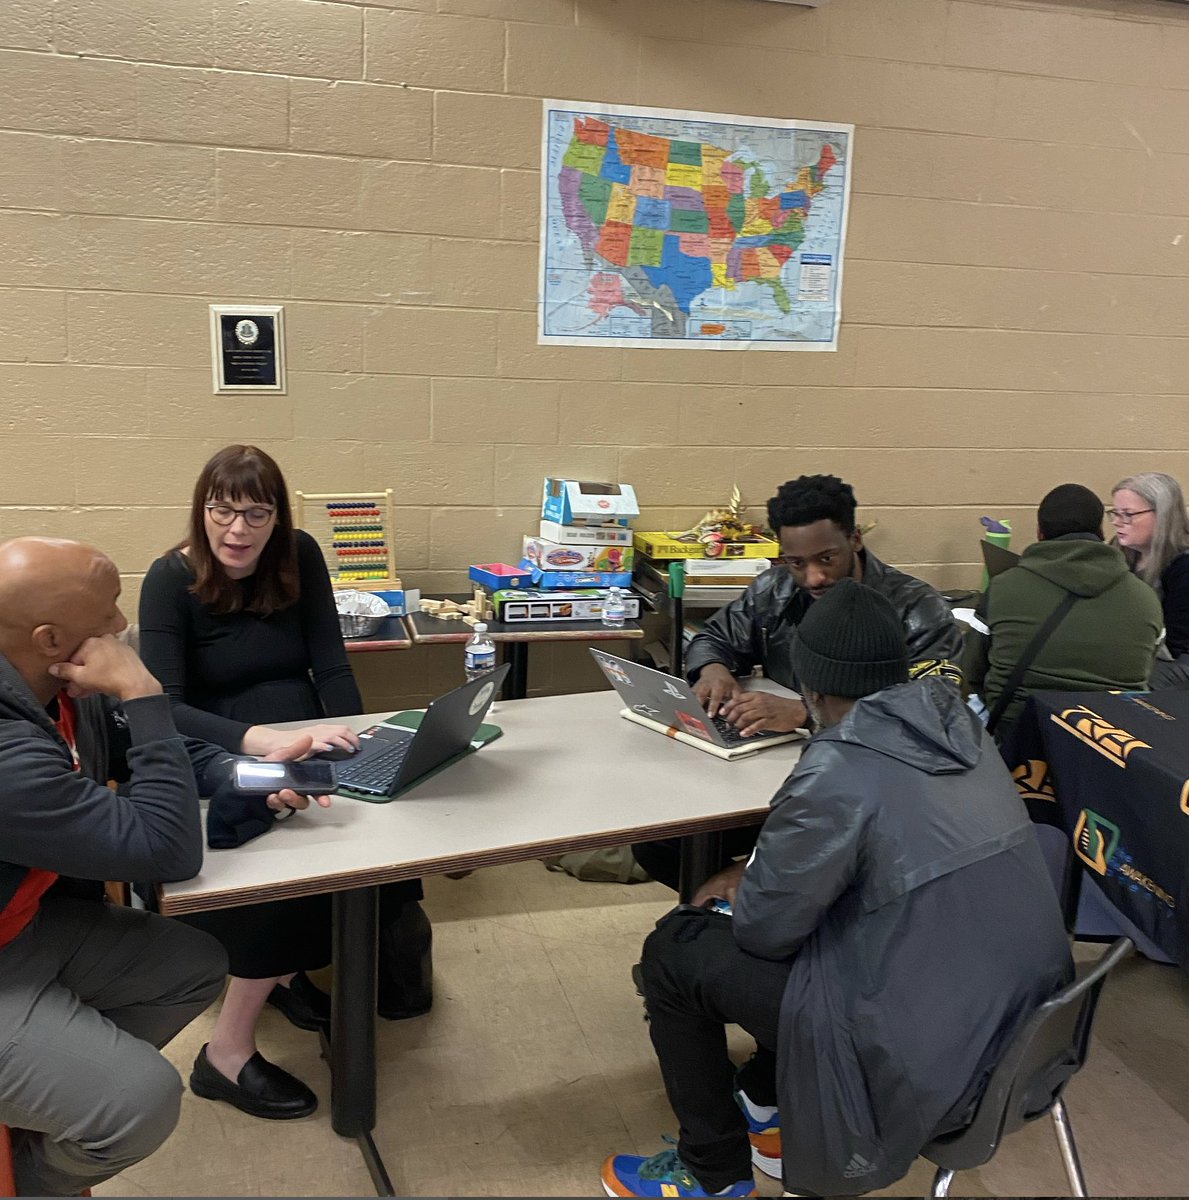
482,698
694,726
614,669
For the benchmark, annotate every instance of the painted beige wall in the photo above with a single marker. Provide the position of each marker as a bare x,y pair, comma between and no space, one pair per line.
1017,281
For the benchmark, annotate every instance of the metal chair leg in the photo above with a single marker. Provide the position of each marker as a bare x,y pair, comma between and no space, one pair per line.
1069,1150
941,1182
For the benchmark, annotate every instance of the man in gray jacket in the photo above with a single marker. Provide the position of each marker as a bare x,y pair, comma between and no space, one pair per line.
88,991
893,927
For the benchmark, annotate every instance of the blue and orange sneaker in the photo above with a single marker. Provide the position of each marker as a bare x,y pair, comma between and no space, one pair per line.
763,1131
662,1175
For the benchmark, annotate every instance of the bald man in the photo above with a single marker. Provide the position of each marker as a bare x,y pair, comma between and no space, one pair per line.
88,991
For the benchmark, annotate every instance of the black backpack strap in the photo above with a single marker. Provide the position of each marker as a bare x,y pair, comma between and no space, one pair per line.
1026,659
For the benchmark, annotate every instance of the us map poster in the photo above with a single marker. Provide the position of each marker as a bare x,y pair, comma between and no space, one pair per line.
691,230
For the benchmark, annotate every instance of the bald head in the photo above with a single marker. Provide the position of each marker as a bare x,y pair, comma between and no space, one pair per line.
54,594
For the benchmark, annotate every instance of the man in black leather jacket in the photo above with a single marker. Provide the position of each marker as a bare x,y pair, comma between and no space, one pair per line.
814,517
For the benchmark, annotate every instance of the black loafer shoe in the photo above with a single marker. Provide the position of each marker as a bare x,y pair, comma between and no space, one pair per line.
303,1004
262,1089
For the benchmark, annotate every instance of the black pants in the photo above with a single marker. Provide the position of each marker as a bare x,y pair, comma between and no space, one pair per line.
697,981
662,858
1173,674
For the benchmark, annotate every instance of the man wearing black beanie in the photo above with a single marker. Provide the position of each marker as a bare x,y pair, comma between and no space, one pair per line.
893,927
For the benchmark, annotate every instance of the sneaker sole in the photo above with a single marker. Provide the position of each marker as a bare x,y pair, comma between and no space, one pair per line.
772,1167
209,1093
619,1195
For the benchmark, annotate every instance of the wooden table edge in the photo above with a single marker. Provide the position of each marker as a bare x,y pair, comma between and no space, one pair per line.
373,876
363,646
532,635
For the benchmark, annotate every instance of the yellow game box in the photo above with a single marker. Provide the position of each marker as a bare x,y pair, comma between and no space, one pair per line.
667,545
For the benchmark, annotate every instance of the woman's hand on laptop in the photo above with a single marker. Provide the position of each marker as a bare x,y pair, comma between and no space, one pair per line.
714,686
759,712
263,740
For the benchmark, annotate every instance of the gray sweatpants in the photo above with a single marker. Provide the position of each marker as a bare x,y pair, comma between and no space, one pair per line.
87,993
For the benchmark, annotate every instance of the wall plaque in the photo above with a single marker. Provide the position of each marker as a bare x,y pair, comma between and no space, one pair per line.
247,347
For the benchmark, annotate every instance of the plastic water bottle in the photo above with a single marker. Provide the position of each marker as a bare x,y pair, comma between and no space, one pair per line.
614,609
480,655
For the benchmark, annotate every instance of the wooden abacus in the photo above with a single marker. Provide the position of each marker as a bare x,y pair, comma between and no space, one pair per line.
354,533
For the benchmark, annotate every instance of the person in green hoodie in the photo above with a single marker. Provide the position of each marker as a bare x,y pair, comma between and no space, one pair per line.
1106,639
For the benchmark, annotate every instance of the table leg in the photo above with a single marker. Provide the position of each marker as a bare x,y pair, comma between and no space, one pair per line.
1071,891
701,857
677,637
353,1027
516,653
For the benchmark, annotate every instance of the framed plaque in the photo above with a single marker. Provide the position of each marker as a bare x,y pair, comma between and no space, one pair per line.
247,347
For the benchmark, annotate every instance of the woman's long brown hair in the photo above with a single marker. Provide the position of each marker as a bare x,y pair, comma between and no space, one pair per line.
244,475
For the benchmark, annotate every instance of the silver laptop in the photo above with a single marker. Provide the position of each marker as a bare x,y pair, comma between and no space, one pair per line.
668,705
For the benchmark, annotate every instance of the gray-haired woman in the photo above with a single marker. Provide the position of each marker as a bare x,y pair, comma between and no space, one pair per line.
1152,529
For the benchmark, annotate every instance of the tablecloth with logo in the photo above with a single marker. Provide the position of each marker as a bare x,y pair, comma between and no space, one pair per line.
1112,771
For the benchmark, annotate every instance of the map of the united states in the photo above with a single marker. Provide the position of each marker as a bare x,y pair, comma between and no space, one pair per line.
683,212
669,227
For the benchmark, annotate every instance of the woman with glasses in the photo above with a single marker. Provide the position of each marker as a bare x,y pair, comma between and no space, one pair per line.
1152,529
238,623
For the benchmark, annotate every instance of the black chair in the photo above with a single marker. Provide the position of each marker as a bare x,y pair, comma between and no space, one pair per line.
1045,1054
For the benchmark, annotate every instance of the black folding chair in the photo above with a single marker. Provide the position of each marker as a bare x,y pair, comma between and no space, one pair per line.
1045,1054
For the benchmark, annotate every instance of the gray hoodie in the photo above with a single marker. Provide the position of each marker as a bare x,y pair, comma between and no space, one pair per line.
900,873
52,817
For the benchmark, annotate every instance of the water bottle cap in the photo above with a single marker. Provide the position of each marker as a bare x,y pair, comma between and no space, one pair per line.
480,627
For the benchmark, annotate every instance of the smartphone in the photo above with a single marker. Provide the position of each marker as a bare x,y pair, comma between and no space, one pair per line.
307,778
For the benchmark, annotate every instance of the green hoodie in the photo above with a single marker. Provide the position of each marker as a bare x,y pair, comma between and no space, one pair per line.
1106,640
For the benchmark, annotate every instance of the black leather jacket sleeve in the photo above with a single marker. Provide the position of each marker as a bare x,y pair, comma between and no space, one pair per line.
934,636
731,637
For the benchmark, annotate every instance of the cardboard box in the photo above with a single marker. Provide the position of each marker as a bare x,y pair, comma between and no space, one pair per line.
575,502
501,575
516,607
586,535
394,599
710,568
551,580
665,546
552,556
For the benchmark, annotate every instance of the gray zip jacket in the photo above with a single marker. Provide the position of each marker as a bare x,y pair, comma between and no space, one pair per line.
900,873
54,818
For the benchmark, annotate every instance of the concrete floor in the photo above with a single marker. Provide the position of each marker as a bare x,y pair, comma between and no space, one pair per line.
535,1064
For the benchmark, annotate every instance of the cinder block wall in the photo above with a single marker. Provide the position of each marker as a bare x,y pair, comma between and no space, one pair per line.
1017,278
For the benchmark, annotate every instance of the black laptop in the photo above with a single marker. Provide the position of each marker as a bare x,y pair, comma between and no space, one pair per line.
997,559
389,759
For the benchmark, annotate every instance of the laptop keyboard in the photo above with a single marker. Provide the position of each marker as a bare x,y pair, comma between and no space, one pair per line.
733,737
375,774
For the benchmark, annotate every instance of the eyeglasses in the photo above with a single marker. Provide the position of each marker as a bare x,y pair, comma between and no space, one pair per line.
257,517
1122,517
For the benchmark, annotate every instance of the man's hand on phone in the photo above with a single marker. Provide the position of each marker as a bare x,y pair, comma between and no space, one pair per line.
297,749
714,686
106,665
723,886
